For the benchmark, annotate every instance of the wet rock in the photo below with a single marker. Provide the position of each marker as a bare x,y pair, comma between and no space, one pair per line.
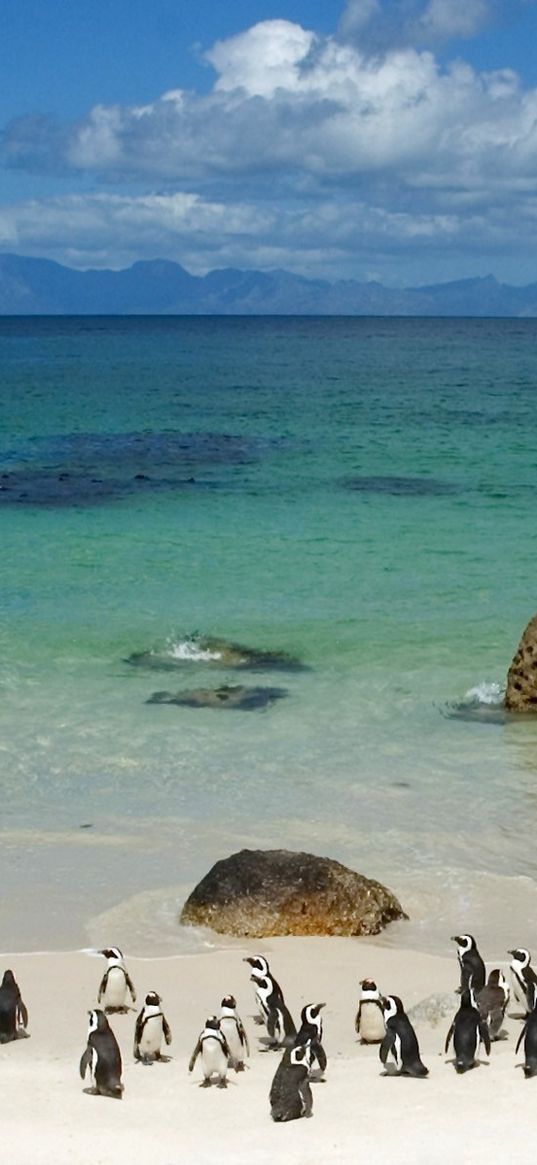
218,652
521,691
235,698
259,893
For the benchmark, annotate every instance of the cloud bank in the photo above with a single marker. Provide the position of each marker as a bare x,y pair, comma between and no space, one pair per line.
331,154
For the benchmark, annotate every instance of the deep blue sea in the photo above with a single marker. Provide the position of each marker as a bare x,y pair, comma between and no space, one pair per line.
358,493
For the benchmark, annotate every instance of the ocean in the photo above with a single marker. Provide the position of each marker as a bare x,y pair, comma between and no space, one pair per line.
358,493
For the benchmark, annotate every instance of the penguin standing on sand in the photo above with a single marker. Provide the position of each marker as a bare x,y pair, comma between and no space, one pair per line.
472,967
529,1035
280,1024
311,1032
102,1057
370,1024
401,1040
151,1028
523,977
214,1052
13,1013
468,1030
492,1001
290,1093
233,1031
261,970
115,983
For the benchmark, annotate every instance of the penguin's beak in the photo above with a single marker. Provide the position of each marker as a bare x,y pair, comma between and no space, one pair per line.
511,953
319,1005
455,938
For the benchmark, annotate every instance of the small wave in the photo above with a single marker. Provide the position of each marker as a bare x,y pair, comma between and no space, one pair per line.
190,651
484,693
484,703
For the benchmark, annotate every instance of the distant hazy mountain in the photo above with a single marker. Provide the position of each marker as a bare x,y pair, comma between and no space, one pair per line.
158,287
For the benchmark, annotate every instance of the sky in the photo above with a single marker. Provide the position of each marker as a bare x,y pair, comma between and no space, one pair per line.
389,140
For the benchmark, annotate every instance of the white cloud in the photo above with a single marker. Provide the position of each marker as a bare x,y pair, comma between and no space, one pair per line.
306,146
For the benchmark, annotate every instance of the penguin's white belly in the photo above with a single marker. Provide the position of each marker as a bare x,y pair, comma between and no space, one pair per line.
151,1036
116,988
372,1026
228,1027
213,1058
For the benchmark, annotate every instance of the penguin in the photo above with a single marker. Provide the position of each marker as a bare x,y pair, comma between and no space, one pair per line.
311,1032
115,983
400,1040
523,976
280,1025
492,1001
369,1024
472,967
260,968
529,1035
102,1057
290,1092
151,1027
233,1031
468,1030
13,1012
214,1051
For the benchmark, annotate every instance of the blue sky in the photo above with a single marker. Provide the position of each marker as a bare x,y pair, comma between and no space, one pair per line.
366,139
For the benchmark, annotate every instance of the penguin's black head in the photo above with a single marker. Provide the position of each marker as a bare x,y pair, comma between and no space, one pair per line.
111,953
212,1022
152,999
9,979
258,963
368,985
465,941
229,1001
98,1021
391,1005
521,955
311,1011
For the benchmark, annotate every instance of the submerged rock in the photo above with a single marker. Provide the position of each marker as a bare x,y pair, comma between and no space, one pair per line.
521,691
236,697
215,651
259,893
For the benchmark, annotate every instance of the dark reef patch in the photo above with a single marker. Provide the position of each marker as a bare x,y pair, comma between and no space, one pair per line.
410,487
233,698
214,652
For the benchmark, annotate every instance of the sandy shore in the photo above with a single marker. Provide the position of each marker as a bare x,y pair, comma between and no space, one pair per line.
165,1118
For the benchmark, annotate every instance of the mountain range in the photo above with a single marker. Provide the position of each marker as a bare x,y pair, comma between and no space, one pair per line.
30,286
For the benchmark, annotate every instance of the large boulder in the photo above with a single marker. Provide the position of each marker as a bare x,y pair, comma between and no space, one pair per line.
521,691
259,893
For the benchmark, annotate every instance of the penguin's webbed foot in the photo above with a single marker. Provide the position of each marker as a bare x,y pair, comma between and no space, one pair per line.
205,1083
222,1083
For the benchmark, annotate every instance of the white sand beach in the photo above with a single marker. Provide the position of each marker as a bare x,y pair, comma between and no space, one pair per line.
359,1115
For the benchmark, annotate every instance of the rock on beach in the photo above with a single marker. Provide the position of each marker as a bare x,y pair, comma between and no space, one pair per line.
521,691
262,893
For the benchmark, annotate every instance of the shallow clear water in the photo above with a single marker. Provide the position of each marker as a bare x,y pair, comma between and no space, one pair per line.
360,493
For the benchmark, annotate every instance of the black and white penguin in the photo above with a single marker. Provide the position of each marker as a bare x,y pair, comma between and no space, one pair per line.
468,1030
261,970
400,1040
115,983
102,1057
370,1024
13,1013
492,1001
232,1028
214,1052
280,1024
523,977
529,1035
472,967
290,1092
151,1028
311,1032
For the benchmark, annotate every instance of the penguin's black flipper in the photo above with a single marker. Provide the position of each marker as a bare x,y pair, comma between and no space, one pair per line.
167,1030
194,1056
23,1014
130,985
485,1035
357,1019
102,987
306,1097
520,1038
243,1037
387,1045
320,1054
449,1036
225,1046
85,1062
138,1032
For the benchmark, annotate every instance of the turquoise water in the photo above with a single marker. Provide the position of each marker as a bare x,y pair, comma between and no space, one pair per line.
360,493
